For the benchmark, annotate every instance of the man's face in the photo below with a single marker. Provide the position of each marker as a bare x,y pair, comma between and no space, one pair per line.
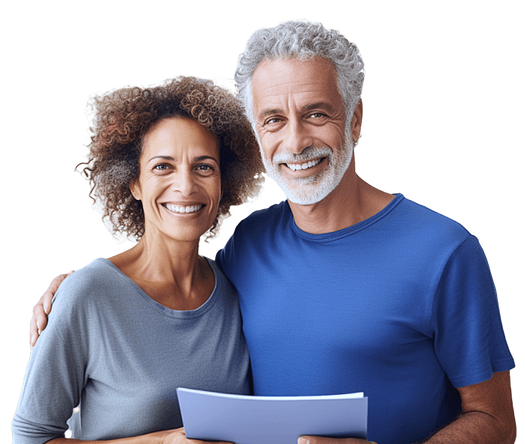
300,119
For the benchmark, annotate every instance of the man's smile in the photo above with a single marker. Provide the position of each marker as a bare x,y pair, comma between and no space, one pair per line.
304,166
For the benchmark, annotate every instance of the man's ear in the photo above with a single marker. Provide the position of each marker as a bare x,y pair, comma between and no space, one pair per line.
357,119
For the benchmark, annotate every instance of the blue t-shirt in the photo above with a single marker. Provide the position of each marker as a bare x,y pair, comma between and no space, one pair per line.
400,306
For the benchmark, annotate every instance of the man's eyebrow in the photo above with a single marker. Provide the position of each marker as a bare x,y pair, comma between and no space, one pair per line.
319,105
268,112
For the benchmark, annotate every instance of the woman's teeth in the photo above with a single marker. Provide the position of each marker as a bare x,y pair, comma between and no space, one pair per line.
303,166
180,209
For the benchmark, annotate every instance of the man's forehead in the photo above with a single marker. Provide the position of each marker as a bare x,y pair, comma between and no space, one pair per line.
271,72
312,81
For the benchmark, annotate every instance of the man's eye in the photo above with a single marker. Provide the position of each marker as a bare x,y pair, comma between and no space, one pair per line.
272,120
317,115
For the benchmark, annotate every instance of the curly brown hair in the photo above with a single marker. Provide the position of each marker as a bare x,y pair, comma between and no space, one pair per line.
123,118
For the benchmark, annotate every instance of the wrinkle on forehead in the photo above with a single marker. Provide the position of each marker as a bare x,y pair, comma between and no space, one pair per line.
305,83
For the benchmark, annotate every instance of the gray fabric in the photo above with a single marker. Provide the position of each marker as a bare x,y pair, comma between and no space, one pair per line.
121,356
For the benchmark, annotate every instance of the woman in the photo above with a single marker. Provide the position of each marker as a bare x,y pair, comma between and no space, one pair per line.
166,163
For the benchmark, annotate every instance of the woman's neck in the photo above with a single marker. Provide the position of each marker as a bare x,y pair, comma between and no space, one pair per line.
170,272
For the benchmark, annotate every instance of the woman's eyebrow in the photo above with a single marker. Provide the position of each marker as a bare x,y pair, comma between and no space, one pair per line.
197,159
161,157
200,158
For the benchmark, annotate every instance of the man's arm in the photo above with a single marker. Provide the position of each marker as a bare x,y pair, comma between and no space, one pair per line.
487,414
42,309
322,440
487,417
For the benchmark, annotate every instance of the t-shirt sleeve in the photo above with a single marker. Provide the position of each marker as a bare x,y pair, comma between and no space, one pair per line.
468,333
225,258
55,375
219,259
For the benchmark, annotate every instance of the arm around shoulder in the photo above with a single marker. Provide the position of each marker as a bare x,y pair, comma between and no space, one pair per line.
43,307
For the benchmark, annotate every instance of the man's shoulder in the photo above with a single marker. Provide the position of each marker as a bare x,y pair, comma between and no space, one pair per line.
419,217
265,219
250,233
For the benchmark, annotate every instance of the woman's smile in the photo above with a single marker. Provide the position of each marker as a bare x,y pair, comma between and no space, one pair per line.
183,209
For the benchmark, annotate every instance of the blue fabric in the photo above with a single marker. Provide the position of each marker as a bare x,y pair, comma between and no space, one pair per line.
400,306
121,355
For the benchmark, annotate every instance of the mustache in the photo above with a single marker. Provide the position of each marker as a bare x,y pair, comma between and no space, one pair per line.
307,154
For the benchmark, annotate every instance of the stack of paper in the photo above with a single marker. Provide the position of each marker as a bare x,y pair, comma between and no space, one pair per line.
271,420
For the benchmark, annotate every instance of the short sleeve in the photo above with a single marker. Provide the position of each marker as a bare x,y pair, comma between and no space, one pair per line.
468,334
225,258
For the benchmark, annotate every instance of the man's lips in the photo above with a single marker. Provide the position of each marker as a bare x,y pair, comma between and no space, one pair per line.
305,165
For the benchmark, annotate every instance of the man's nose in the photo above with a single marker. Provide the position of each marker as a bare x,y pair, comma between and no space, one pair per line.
184,182
297,136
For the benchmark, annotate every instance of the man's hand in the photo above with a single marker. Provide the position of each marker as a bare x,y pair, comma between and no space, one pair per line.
322,440
43,308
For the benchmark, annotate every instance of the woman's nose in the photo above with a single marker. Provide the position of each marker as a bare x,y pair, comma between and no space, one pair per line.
184,183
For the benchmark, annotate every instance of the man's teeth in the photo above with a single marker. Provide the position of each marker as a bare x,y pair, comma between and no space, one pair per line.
180,209
303,166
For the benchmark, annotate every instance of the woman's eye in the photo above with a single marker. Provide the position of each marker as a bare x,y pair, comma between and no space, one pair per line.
164,167
161,167
204,168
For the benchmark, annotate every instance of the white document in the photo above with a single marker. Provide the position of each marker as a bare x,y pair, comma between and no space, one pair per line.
271,420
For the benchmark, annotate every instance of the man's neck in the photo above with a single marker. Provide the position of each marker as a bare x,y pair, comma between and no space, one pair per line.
350,203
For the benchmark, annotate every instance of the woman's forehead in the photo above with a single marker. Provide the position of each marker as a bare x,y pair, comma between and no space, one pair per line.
180,135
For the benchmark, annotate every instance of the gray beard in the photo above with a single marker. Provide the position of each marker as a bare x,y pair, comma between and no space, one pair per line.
312,189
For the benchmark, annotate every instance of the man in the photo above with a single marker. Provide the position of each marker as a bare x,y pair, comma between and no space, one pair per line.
346,288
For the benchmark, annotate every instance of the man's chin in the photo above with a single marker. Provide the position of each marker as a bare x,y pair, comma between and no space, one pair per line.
308,194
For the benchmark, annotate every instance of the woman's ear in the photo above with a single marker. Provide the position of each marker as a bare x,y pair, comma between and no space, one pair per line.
135,190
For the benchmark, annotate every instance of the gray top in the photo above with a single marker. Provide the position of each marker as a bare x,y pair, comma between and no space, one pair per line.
119,354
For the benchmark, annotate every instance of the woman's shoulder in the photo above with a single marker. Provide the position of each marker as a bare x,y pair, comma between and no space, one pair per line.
81,295
95,278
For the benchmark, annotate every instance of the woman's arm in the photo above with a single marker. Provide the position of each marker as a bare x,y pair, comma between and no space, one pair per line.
144,439
176,436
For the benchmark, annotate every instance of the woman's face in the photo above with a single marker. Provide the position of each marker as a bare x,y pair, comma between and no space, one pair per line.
179,182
